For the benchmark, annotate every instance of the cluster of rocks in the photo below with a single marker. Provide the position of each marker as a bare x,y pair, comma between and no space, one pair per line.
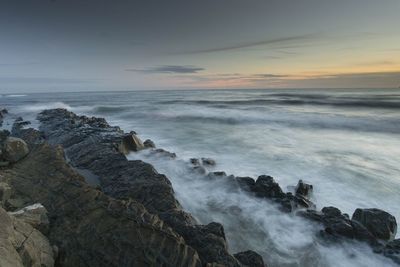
131,217
376,227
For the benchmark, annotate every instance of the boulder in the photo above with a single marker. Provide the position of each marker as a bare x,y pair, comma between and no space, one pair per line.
35,215
250,258
22,245
208,161
130,143
304,190
380,223
267,187
14,149
149,144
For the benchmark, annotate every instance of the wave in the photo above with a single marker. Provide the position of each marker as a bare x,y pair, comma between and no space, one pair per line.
41,106
314,101
15,95
340,123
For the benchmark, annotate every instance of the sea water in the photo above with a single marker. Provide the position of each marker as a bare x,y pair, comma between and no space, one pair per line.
344,142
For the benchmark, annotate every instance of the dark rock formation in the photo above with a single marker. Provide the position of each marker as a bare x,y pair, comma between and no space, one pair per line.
88,227
381,224
250,258
266,187
304,190
93,145
208,161
149,144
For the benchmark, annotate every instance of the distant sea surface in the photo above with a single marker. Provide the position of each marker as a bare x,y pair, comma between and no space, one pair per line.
344,142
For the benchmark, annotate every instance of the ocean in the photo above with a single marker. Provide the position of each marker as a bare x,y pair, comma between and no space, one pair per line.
346,143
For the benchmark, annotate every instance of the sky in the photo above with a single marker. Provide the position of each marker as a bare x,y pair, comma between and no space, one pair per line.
86,45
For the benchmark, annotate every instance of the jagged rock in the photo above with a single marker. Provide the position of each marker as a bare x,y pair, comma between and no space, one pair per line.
380,223
90,228
14,149
93,145
149,144
208,161
338,225
250,259
22,245
130,143
266,186
304,190
35,215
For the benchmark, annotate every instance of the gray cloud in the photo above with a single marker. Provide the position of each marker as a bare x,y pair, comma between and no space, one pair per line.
180,69
288,42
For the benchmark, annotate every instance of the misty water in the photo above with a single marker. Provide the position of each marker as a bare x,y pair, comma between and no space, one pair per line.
344,142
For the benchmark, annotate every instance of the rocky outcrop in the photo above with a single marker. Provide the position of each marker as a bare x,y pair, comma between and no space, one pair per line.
93,145
88,227
266,187
379,223
22,245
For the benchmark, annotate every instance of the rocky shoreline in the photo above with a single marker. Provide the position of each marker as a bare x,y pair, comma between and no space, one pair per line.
94,207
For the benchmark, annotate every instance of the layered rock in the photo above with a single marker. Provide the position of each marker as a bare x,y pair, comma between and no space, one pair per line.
88,227
22,245
93,145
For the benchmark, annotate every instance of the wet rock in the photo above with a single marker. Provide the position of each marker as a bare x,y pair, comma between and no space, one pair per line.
378,222
246,183
338,225
149,143
392,250
304,190
208,161
267,187
14,149
250,258
130,143
195,161
94,148
163,153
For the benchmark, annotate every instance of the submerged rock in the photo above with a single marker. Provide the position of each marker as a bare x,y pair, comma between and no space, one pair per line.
250,259
208,161
149,144
381,224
